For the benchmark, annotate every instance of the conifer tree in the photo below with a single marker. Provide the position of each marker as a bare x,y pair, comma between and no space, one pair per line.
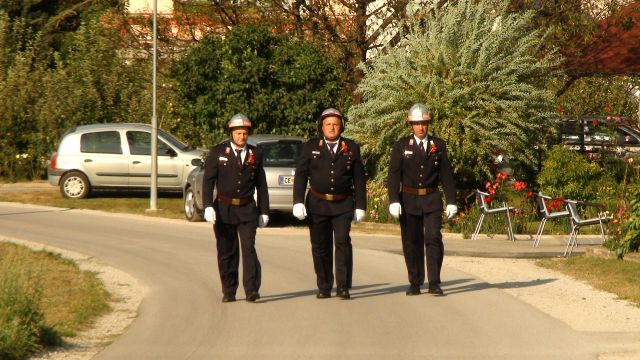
481,72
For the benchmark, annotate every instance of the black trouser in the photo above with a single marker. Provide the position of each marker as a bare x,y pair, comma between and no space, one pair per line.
229,256
324,231
420,232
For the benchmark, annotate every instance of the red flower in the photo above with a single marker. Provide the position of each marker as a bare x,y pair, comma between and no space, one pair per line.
433,149
251,159
344,147
530,195
559,109
488,199
519,185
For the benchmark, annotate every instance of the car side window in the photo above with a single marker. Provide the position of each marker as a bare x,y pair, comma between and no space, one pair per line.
105,142
140,144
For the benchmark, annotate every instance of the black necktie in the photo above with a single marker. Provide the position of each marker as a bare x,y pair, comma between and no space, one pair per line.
422,148
331,146
239,157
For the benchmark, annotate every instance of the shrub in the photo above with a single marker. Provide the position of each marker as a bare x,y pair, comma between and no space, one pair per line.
479,69
378,203
570,175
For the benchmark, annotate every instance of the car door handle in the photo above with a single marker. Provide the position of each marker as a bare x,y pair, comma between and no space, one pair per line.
136,162
88,160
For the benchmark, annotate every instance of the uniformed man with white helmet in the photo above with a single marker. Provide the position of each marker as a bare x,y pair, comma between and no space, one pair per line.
418,164
332,166
235,170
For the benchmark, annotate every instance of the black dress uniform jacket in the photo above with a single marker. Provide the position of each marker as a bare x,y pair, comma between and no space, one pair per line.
341,174
409,167
234,181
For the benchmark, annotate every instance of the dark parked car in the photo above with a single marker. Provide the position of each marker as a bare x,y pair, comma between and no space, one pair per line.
593,134
281,155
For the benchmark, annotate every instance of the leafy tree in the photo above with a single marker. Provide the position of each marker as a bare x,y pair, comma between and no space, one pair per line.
479,70
279,82
38,102
347,31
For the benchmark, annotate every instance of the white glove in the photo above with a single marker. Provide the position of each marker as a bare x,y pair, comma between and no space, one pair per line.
395,209
299,211
210,215
451,211
359,215
263,220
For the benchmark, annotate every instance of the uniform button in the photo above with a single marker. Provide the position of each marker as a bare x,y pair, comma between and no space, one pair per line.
421,166
238,190
332,164
420,175
331,180
331,188
420,184
332,171
239,182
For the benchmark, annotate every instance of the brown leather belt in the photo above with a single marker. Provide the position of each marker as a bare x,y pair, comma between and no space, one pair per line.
234,201
330,197
418,191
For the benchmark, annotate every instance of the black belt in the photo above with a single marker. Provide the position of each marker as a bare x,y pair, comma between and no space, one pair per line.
330,197
234,201
418,191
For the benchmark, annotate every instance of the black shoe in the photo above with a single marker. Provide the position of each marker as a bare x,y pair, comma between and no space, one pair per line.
323,294
228,298
253,296
343,294
413,290
435,289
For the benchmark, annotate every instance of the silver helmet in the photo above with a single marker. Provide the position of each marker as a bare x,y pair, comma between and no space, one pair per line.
419,112
331,112
239,120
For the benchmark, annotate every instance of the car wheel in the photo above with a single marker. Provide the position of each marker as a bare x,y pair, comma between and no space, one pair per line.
191,211
75,185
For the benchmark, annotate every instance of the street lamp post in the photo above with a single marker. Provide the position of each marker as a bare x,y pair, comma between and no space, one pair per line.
154,119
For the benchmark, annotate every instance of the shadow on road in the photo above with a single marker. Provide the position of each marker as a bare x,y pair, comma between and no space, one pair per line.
478,286
313,293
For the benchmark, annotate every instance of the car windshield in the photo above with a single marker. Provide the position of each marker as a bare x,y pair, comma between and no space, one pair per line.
282,153
173,141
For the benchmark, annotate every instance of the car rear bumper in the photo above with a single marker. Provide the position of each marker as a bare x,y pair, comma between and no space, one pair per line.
54,175
281,199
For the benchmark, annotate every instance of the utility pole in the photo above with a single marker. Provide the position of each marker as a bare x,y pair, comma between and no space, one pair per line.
154,119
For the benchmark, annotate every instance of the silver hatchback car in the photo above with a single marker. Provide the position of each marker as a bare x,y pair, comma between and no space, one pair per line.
280,157
117,156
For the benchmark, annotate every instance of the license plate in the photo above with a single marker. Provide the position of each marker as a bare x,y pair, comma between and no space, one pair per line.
285,180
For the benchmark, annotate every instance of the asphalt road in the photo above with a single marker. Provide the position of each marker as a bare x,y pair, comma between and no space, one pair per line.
182,316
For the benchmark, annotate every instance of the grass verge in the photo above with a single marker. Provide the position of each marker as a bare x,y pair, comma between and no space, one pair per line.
169,205
42,298
615,276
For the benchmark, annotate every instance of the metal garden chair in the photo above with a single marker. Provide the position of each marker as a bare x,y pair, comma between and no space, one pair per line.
577,222
545,214
486,210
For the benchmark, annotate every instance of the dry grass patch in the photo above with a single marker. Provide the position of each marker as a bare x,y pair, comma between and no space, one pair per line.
615,276
43,297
